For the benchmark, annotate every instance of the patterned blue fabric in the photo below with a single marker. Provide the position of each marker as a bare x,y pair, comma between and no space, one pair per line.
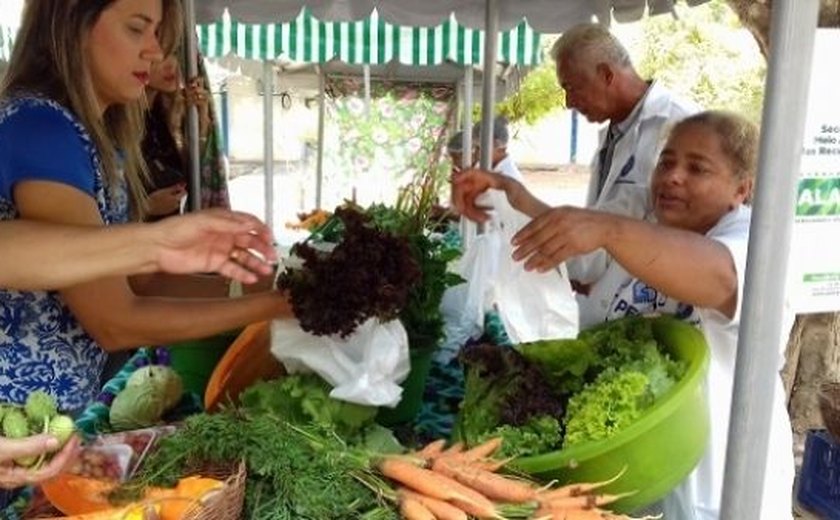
42,345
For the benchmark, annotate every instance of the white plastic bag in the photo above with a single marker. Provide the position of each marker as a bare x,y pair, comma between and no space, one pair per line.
366,367
531,305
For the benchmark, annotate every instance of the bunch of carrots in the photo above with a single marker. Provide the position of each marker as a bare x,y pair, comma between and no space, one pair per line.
438,483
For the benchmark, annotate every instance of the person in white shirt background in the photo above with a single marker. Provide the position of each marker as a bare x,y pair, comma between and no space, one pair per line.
502,161
686,256
600,82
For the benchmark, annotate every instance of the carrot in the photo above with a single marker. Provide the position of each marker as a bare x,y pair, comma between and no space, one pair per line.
431,484
491,465
455,449
478,506
495,487
573,490
484,450
442,510
411,509
432,449
584,501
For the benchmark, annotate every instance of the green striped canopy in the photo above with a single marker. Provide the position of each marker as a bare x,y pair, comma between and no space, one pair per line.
371,41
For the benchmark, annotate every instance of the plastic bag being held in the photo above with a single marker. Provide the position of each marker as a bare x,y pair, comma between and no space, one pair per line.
531,305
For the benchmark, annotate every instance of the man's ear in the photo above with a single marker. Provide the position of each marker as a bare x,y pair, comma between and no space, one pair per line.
605,72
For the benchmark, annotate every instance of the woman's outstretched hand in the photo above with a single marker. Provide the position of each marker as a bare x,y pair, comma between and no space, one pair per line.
236,245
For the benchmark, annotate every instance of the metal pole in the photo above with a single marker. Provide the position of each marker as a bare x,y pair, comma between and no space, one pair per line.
467,142
488,97
319,172
192,111
467,227
788,78
268,141
366,72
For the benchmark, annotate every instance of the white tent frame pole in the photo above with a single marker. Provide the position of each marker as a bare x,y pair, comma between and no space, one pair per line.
268,141
488,95
468,228
366,75
319,171
756,369
192,111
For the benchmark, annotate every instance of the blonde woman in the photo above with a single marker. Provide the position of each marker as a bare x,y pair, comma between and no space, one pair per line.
70,120
199,242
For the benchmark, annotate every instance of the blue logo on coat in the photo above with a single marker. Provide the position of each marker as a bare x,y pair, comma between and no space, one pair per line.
625,171
643,293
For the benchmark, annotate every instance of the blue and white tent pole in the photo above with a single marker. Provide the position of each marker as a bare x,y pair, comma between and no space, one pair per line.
783,126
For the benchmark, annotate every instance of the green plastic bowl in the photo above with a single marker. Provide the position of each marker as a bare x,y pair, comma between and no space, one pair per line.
658,451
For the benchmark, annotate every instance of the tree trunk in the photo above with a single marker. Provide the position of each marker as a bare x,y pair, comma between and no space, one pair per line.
755,16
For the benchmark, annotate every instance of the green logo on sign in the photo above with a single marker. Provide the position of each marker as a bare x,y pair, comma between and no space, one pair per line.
818,197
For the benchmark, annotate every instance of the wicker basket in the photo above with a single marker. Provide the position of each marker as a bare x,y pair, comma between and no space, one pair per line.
829,397
227,504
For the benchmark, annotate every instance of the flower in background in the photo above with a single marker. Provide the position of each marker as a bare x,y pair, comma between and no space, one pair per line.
360,162
417,121
386,108
356,106
379,136
415,144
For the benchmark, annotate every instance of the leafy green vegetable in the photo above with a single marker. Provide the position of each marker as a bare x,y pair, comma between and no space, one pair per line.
40,407
614,401
167,381
304,399
564,362
539,435
502,387
294,472
137,407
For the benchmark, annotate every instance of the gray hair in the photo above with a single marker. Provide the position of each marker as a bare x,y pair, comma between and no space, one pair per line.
593,43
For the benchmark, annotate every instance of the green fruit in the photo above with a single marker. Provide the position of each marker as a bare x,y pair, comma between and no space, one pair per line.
15,425
40,406
26,462
62,428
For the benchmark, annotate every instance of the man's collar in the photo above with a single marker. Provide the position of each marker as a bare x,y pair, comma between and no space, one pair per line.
627,122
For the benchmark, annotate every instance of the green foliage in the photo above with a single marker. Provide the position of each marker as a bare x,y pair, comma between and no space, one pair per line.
539,435
294,472
304,399
397,141
538,96
613,402
564,362
703,54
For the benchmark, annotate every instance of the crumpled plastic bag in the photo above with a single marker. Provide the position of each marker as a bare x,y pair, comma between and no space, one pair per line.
366,367
531,305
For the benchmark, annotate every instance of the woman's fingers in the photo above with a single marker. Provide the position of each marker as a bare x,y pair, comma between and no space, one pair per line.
13,477
11,449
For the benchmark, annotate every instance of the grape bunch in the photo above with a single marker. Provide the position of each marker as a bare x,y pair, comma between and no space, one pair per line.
38,415
369,273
